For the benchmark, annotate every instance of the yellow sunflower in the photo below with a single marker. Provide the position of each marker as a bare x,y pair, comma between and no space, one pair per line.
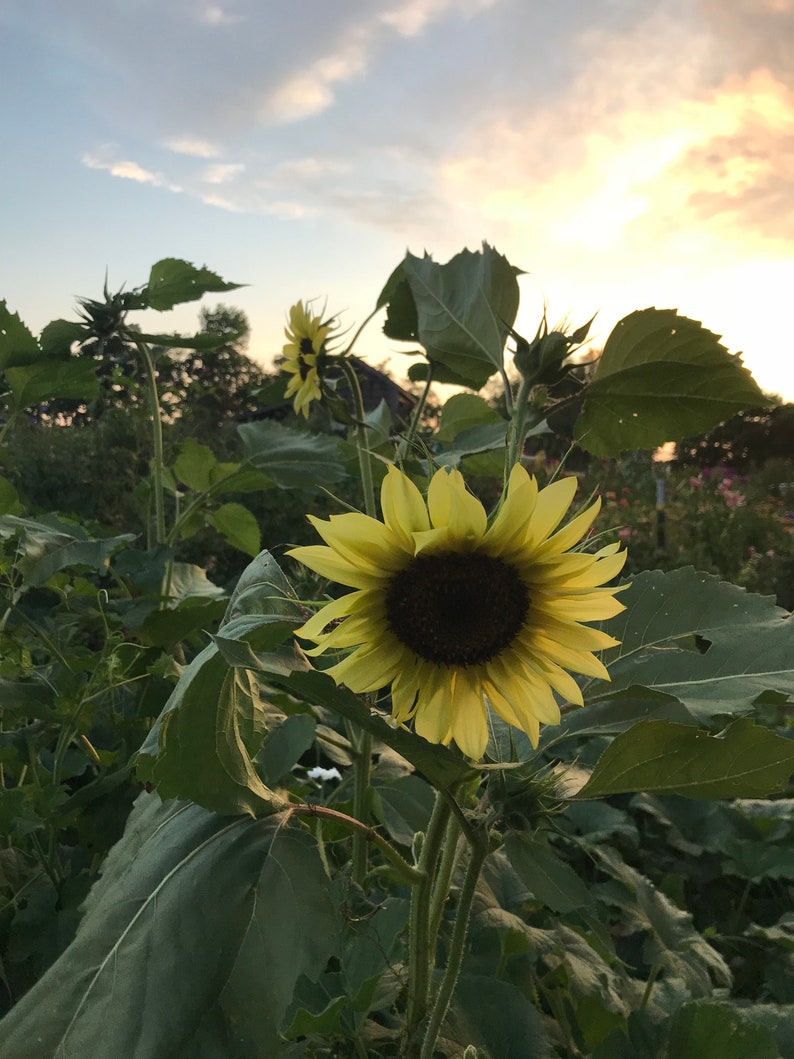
455,614
307,335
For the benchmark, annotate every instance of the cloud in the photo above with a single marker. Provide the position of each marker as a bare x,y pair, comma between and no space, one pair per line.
126,169
222,173
193,148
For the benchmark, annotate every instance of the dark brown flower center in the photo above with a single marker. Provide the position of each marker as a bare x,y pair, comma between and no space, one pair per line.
456,610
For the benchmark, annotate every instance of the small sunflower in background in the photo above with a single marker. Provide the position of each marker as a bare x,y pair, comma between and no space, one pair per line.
454,614
303,356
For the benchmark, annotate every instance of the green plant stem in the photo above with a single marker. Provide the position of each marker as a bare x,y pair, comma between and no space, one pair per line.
519,426
158,461
413,426
444,875
363,758
410,874
421,954
479,851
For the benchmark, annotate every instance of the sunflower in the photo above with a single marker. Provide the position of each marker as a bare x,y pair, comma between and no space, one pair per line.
307,335
457,615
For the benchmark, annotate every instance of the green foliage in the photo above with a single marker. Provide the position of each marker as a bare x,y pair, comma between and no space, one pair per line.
628,880
660,377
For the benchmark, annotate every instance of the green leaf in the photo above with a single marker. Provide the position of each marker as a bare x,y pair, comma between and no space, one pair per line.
549,879
441,765
285,745
75,378
671,940
464,410
237,526
173,281
406,804
194,465
294,459
661,378
744,761
10,503
261,642
58,337
464,310
45,547
203,744
195,915
615,714
202,342
189,581
17,345
497,1016
263,589
744,643
709,1029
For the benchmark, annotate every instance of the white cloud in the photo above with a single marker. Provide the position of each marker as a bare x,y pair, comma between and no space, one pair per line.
193,148
213,15
126,169
221,173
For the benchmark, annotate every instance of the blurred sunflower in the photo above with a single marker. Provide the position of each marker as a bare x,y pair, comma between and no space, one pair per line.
455,614
307,335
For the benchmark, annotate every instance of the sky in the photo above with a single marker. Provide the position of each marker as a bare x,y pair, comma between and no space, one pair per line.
624,153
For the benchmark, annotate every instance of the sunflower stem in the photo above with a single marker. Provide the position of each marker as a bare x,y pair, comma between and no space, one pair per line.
413,426
519,426
421,943
362,763
479,851
443,881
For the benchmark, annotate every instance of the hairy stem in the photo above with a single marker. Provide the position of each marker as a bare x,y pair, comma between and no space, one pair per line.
479,851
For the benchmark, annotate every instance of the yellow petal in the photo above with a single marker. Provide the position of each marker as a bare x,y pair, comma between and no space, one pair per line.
326,562
367,668
550,508
403,506
337,608
579,661
432,718
468,720
510,525
587,607
362,541
452,506
572,532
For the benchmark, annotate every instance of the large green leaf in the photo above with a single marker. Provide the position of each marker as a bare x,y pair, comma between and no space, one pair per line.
58,337
17,344
744,761
173,281
463,310
197,919
661,378
238,527
292,458
711,645
75,379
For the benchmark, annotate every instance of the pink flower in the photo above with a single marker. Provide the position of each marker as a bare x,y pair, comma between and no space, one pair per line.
695,482
624,533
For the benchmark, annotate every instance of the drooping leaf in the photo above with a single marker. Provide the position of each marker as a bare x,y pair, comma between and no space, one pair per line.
406,804
238,527
173,281
671,940
744,761
195,914
463,310
201,341
34,383
744,643
294,459
464,410
17,345
285,745
188,581
661,378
